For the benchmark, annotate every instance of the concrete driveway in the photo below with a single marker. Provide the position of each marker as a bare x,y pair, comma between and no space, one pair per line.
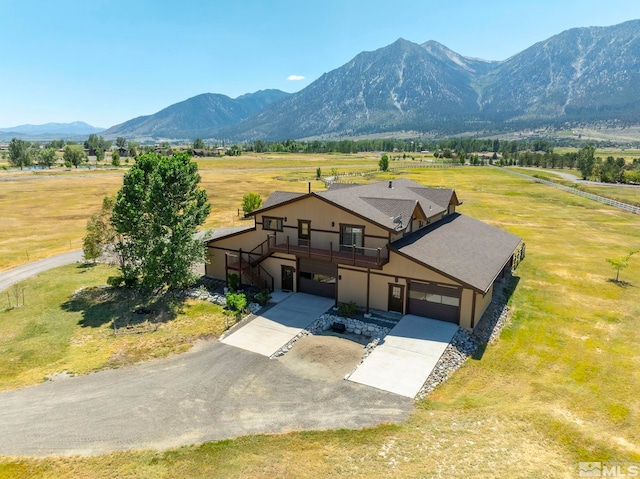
280,324
403,362
213,392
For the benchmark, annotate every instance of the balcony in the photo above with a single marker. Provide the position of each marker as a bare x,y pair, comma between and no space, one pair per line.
341,254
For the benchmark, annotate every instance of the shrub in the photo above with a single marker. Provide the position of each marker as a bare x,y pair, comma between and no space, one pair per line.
347,310
236,302
262,297
115,281
234,281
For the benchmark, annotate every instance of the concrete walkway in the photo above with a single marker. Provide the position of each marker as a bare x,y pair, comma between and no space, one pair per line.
277,326
210,393
402,363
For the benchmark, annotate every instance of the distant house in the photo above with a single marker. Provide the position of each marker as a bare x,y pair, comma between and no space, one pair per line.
4,147
220,151
123,152
393,246
200,152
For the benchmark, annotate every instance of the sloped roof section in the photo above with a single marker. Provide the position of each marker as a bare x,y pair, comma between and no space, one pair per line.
461,248
278,197
440,196
402,209
375,200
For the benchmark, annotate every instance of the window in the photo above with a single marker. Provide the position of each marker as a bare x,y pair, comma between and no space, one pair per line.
351,236
321,278
304,232
271,223
434,298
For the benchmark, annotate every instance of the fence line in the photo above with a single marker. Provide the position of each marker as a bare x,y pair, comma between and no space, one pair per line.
584,194
342,177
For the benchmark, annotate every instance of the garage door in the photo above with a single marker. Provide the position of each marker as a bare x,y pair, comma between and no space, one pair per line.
435,301
317,277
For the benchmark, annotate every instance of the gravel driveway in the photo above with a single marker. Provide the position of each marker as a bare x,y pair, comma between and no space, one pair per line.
213,392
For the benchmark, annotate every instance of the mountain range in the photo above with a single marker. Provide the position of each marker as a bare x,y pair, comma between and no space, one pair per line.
197,116
51,130
580,75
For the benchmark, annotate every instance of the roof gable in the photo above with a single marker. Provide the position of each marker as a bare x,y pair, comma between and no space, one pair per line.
384,203
462,248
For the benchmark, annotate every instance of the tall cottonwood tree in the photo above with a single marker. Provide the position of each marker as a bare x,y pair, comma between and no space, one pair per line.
156,214
18,154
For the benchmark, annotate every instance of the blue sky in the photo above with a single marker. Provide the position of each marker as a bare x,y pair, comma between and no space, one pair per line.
105,62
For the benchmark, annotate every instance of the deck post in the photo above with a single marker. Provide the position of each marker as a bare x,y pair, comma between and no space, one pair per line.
353,254
368,288
378,257
309,248
240,268
226,269
287,244
330,250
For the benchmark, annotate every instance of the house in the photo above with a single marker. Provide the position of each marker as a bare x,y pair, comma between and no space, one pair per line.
392,246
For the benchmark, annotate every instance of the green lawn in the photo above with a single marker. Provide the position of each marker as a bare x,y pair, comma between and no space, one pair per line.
560,386
57,330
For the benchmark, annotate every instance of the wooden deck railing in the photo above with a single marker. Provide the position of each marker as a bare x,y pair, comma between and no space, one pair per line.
344,254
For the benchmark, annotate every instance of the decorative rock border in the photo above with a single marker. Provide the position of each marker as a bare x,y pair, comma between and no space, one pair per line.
465,344
220,299
354,326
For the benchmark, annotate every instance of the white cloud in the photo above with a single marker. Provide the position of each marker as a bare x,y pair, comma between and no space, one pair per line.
295,77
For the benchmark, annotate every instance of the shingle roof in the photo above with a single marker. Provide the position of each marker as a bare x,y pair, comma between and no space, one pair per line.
461,248
378,202
278,197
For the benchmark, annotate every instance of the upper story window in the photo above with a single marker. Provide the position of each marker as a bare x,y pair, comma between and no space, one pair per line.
271,223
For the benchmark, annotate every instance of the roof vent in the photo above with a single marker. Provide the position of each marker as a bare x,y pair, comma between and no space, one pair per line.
391,184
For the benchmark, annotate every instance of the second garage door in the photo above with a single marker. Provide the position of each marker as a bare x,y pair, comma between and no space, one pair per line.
317,277
435,301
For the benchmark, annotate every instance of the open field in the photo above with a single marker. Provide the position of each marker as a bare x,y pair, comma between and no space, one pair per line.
45,212
560,386
624,194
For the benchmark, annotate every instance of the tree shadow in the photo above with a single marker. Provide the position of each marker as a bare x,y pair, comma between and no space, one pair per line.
121,307
620,283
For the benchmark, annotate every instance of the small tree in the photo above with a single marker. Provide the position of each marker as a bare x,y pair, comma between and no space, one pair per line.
251,202
198,144
115,158
99,155
121,142
74,155
18,154
100,232
621,263
47,157
586,161
318,173
384,163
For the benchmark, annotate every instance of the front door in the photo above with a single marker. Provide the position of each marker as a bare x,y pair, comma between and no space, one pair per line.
396,298
287,278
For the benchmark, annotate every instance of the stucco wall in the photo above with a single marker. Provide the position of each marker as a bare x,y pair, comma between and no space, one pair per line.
322,215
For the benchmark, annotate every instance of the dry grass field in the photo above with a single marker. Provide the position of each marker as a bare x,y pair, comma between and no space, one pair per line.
45,212
560,385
